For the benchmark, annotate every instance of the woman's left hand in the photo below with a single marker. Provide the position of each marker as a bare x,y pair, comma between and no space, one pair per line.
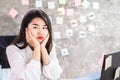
44,42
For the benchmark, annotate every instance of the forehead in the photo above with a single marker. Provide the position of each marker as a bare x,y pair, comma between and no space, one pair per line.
38,20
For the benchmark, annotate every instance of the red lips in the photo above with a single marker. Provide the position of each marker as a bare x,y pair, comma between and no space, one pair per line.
40,37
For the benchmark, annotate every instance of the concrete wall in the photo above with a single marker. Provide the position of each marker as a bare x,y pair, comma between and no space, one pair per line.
83,52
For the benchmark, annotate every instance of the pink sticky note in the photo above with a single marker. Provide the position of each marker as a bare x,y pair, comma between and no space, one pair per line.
13,13
25,2
77,2
73,23
70,12
101,59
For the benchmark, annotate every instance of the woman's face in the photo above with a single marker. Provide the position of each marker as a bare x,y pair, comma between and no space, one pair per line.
38,29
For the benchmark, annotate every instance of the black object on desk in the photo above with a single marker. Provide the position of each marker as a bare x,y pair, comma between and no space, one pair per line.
109,73
4,42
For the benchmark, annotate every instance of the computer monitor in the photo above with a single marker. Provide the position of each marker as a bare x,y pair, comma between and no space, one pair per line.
109,72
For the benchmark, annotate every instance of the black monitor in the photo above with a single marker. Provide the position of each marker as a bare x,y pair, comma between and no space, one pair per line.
109,72
4,42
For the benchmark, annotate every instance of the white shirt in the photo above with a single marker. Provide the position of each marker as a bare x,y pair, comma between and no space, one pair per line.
23,67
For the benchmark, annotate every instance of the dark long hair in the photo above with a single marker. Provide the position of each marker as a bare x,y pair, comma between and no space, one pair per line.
31,14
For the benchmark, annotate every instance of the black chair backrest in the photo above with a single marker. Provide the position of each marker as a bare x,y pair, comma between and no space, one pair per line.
4,42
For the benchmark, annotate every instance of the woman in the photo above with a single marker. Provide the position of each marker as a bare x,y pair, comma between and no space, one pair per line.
31,55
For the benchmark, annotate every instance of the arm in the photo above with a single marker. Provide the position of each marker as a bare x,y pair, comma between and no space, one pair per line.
52,70
21,70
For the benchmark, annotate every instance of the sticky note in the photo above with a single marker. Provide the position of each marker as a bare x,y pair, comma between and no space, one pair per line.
101,59
91,15
25,2
91,28
117,73
83,19
108,62
57,35
61,11
59,20
96,5
13,13
62,1
64,51
70,12
82,34
38,3
85,4
73,23
51,5
69,32
77,2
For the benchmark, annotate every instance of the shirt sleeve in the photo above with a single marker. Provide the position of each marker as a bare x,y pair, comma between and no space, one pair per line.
53,70
22,71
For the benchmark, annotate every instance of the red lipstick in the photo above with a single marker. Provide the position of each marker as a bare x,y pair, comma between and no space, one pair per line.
40,37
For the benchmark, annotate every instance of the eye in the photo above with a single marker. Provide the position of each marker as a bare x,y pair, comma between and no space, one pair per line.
45,27
35,27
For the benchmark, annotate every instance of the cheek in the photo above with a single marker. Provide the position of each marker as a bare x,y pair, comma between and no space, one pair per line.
34,32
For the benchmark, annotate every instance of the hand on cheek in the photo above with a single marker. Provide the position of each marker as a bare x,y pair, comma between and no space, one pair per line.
44,42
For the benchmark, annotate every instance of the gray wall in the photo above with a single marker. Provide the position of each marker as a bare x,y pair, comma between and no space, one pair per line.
83,53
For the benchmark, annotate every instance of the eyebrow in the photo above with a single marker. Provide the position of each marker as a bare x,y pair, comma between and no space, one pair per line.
38,24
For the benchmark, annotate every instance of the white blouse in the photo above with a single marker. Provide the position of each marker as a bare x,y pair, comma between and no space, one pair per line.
23,67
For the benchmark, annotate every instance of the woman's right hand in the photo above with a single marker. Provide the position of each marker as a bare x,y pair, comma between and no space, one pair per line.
31,40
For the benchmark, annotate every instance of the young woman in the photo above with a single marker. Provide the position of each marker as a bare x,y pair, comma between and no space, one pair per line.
32,54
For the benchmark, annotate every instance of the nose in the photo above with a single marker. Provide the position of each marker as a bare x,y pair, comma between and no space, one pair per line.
40,31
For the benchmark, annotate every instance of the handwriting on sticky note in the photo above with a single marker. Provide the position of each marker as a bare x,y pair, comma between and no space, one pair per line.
82,34
69,32
91,15
108,62
13,13
61,11
73,23
64,51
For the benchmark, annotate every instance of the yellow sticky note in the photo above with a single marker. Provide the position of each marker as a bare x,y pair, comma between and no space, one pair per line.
91,28
108,62
61,10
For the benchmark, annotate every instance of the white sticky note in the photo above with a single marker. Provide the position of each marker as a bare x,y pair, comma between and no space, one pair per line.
91,15
59,20
82,34
64,51
117,73
25,2
73,23
69,32
62,1
91,28
85,4
108,62
13,12
83,19
78,2
57,35
61,11
70,12
38,3
51,5
96,5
